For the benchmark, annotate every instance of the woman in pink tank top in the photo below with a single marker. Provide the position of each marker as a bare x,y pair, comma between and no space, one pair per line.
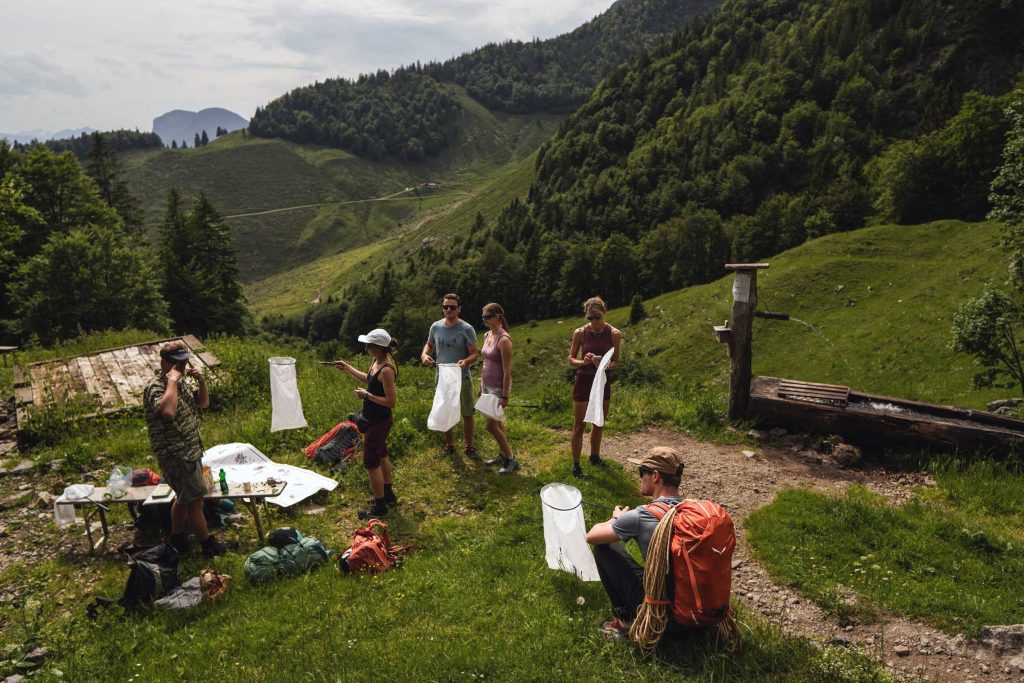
496,379
589,344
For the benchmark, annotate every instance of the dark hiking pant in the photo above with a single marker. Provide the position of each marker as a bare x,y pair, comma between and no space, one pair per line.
622,578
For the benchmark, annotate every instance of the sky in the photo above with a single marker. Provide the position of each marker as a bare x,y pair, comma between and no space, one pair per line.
111,64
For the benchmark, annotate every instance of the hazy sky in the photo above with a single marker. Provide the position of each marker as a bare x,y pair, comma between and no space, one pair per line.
118,63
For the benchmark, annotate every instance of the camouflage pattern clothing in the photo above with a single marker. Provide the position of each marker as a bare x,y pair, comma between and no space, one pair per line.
177,439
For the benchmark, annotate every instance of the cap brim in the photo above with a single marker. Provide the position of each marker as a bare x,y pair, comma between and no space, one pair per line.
635,461
178,356
363,338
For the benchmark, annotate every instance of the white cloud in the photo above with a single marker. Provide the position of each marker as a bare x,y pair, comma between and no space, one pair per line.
120,63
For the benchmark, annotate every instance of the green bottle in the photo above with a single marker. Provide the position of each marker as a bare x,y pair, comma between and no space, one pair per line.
223,482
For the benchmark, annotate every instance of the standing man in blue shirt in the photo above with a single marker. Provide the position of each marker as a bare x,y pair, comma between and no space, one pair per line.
453,340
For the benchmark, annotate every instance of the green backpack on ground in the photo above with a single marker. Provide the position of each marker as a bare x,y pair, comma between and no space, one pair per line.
269,563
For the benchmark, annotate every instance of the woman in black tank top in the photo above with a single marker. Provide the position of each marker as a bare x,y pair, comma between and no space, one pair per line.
379,399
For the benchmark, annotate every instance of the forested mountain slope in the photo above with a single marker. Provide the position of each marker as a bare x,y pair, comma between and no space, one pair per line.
410,115
762,125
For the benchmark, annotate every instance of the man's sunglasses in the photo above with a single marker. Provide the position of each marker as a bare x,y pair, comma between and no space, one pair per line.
449,307
645,471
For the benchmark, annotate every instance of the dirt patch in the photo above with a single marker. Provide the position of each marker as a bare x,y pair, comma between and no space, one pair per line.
744,478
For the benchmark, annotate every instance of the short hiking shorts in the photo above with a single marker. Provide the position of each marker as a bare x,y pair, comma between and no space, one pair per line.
467,401
375,443
581,388
185,477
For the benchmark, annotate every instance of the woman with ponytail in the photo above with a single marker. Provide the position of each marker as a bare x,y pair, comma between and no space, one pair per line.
379,399
496,379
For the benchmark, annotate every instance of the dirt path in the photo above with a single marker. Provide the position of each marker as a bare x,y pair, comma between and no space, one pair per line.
743,483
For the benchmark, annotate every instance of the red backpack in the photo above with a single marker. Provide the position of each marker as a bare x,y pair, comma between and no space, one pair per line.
703,539
371,551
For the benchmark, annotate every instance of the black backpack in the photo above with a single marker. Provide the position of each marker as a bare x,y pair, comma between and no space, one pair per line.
153,573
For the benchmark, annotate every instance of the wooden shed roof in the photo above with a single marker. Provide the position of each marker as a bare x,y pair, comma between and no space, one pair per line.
109,380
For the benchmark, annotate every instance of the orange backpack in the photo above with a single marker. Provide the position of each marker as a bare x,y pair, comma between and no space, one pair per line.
371,551
700,553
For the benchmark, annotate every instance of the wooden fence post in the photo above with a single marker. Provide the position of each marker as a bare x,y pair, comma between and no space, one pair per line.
744,303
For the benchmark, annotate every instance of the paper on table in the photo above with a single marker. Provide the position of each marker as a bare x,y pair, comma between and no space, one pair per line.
243,462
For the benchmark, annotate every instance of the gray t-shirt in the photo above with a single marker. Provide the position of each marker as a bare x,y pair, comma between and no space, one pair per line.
451,344
639,523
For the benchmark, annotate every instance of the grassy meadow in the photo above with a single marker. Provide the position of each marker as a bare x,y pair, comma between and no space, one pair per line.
475,599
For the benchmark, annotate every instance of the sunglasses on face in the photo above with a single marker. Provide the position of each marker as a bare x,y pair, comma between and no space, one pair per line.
449,307
644,471
487,316
594,317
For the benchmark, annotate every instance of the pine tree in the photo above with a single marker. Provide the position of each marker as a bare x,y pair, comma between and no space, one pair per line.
184,145
197,142
174,144
106,169
205,140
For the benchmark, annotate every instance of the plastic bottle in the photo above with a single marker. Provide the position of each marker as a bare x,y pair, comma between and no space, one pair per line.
223,482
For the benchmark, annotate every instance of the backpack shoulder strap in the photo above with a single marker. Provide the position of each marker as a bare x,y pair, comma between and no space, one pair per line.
658,509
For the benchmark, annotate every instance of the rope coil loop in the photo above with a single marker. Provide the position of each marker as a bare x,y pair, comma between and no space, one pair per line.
653,615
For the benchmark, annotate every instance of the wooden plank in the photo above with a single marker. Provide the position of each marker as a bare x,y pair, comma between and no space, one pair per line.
135,383
117,380
21,376
40,383
92,385
151,354
193,343
142,369
208,359
63,389
110,399
77,380
23,395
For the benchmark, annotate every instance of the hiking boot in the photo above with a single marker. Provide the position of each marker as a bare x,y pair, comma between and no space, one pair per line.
596,460
499,459
471,453
578,472
446,452
509,466
180,543
616,629
389,502
374,511
212,547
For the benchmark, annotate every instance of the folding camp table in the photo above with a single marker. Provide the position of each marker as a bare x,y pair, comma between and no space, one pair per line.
258,493
98,503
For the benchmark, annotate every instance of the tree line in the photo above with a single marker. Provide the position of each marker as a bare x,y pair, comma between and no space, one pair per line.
407,114
759,127
73,258
122,140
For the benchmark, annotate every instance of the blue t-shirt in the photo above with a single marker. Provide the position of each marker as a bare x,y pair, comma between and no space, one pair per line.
640,523
451,344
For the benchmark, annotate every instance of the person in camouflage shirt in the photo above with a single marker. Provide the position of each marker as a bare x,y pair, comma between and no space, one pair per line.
172,420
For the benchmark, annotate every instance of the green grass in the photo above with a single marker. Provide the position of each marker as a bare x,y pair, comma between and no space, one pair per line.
891,340
473,600
249,175
953,556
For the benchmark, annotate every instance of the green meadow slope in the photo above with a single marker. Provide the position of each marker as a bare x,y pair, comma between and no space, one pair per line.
872,310
374,200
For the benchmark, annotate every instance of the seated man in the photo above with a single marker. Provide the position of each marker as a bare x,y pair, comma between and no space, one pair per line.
621,576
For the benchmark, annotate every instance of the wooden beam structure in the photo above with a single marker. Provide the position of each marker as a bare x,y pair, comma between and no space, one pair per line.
740,336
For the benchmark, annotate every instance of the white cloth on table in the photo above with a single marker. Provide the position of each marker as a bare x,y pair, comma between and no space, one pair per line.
284,396
446,411
243,462
595,408
565,536
64,515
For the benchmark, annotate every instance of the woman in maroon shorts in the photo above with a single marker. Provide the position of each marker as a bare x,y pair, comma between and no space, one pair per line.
589,344
379,398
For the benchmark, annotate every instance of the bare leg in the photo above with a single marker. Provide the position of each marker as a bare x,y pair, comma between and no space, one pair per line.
596,433
497,430
579,410
449,437
179,517
197,520
377,481
385,470
467,429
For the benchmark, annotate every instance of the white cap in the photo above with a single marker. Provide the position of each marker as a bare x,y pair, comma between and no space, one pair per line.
377,337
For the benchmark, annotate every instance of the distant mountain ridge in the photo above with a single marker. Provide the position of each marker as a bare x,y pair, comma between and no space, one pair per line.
178,125
38,134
